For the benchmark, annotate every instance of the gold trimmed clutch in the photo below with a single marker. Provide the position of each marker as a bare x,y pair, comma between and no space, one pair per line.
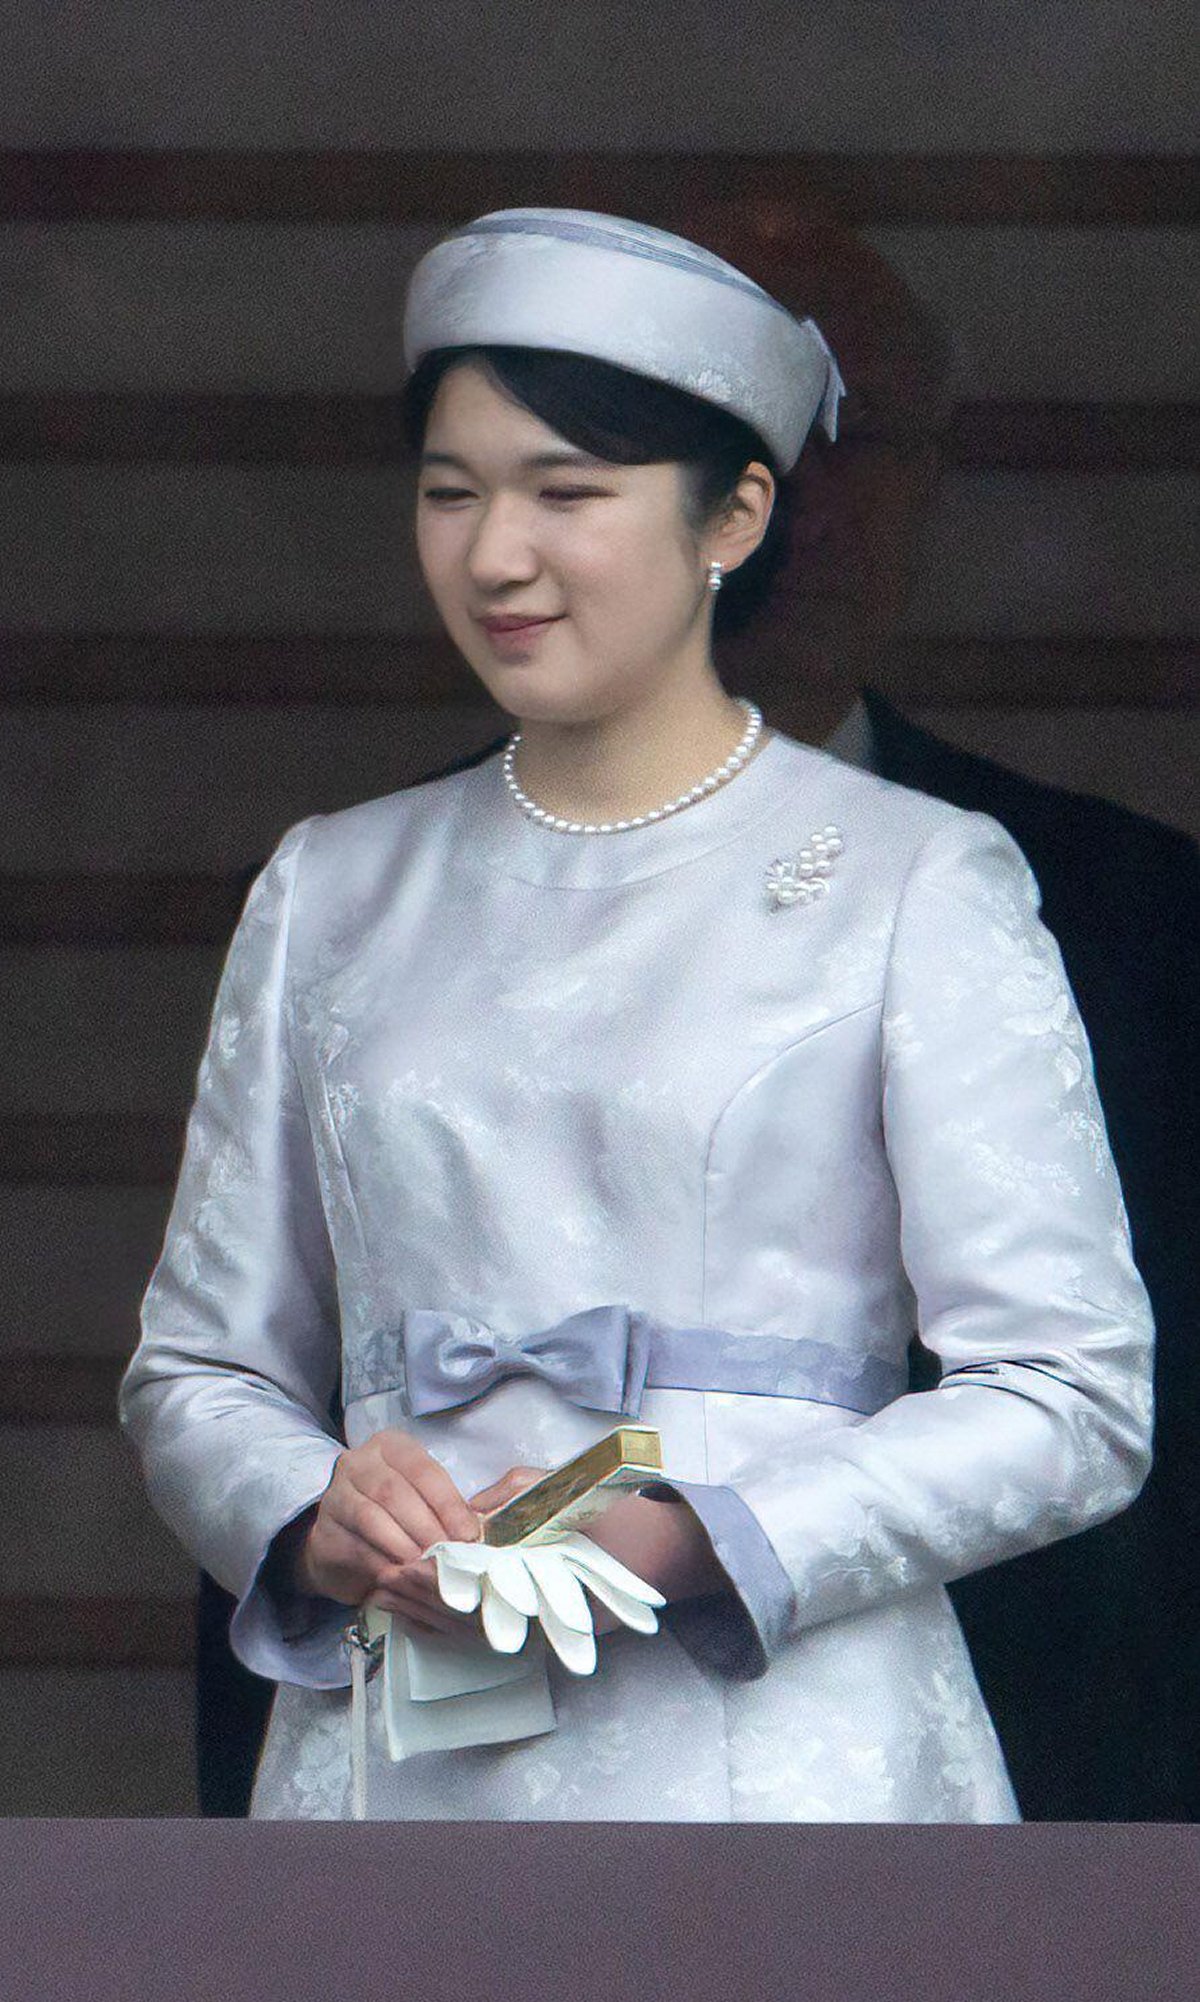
581,1489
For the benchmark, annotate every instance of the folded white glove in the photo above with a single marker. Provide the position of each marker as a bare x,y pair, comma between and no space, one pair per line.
443,1692
542,1578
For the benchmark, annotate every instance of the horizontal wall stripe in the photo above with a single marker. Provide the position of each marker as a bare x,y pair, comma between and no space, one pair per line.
1144,760
202,430
192,790
316,549
45,1631
1079,437
364,430
234,669
107,1736
96,1149
1088,314
76,1264
86,1479
337,670
59,1390
114,1032
174,308
118,910
416,186
1072,674
1005,553
1053,77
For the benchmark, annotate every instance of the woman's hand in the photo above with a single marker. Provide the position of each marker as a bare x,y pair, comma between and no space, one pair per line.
387,1500
420,1581
514,1482
662,1542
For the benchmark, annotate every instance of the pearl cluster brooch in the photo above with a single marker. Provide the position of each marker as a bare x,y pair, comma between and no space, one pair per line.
561,825
805,878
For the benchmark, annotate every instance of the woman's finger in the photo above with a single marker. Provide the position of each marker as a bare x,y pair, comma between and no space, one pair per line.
418,1580
435,1492
418,1584
514,1482
338,1563
375,1524
440,1618
407,1506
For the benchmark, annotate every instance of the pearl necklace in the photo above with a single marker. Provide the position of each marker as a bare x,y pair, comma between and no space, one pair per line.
700,790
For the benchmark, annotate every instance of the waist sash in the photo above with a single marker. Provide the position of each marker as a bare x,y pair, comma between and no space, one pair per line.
605,1358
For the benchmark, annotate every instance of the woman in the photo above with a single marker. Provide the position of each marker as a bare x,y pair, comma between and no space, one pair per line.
664,1035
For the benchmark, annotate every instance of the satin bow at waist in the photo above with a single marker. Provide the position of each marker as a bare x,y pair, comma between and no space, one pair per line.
606,1358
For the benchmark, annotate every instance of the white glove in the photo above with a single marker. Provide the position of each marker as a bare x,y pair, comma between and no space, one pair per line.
540,1579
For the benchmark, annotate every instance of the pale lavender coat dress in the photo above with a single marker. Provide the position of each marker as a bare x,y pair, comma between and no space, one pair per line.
467,1070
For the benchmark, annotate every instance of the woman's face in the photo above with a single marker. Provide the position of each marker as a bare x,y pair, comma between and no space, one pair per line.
602,550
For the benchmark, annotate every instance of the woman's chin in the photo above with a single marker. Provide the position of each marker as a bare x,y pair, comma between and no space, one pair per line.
532,698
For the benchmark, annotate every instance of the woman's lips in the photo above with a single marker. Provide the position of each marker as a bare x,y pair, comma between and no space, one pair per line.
514,639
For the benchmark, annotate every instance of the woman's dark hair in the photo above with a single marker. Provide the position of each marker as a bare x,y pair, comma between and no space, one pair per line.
632,421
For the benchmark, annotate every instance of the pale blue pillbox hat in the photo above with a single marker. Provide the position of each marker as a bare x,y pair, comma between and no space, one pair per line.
639,297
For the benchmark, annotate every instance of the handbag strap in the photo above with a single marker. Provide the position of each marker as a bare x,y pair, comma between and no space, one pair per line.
365,1657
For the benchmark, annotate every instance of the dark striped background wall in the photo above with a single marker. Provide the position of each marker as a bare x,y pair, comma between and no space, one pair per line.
210,623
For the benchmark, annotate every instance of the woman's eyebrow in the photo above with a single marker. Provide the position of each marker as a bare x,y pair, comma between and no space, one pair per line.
535,462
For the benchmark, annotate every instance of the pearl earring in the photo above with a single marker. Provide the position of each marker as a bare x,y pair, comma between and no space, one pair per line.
714,576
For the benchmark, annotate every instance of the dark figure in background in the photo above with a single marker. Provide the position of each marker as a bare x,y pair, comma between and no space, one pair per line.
1088,1651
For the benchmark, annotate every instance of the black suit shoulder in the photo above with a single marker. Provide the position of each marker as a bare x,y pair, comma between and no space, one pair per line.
1120,890
1066,830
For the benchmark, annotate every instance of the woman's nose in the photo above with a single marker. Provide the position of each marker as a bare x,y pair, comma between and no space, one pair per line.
501,548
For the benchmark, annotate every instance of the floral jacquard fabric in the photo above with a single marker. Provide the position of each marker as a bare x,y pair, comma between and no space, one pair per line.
460,1062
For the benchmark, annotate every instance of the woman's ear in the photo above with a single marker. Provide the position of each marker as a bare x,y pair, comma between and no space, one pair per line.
745,520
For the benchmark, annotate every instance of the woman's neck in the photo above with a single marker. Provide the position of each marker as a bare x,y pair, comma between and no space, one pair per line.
620,766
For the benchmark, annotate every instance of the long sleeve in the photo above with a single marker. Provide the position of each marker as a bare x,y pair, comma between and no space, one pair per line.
1015,1241
226,1400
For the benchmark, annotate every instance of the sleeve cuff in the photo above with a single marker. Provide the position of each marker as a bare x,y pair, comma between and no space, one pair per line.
736,1632
290,1636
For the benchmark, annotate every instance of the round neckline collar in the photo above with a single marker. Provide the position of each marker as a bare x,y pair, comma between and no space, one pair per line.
502,837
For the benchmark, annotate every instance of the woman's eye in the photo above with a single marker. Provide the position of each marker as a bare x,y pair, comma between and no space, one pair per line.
548,493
